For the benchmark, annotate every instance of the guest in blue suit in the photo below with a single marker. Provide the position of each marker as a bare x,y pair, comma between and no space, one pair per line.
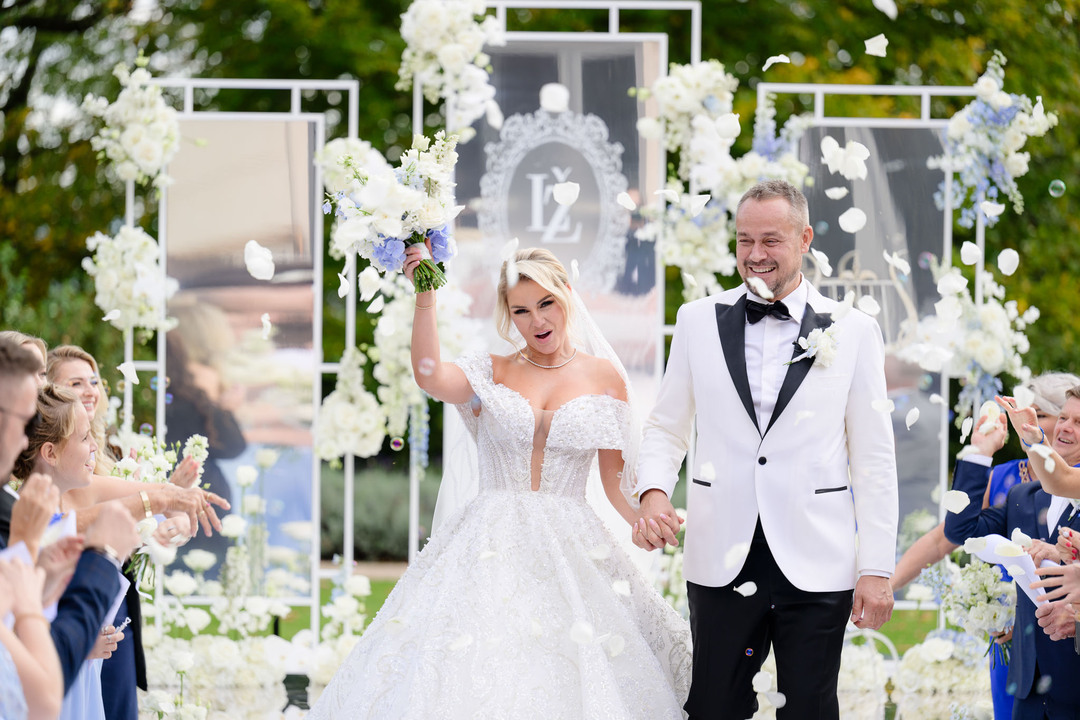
1042,672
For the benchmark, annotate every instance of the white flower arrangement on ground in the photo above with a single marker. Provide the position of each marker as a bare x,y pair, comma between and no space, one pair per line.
983,146
128,280
444,51
947,669
350,419
141,133
383,209
974,343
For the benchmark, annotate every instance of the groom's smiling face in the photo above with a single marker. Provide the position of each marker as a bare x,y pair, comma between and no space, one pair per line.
769,244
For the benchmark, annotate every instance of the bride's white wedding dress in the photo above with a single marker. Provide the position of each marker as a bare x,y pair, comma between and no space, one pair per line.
522,605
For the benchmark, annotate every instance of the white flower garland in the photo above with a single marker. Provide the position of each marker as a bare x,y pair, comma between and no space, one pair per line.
350,419
141,133
127,280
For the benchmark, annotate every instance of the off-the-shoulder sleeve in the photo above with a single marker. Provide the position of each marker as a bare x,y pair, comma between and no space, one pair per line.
477,369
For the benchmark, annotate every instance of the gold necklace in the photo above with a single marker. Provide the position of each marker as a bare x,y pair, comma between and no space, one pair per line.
548,367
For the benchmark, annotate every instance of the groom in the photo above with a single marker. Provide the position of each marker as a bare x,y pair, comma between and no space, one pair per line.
791,460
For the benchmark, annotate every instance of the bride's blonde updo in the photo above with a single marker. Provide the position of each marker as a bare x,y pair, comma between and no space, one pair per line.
543,268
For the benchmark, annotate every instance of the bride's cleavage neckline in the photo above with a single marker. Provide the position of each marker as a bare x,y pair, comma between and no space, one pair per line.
574,399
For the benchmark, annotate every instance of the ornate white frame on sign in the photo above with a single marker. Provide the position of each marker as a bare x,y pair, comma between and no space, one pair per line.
587,134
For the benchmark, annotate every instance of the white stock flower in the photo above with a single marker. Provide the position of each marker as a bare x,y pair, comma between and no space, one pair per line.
246,475
181,584
233,526
199,561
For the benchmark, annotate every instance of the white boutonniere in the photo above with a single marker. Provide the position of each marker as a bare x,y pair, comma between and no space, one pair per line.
820,346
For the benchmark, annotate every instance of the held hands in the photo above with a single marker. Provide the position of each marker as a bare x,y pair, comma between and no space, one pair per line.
658,524
872,604
1024,420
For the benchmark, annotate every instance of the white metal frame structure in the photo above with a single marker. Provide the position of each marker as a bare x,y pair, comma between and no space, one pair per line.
188,110
925,120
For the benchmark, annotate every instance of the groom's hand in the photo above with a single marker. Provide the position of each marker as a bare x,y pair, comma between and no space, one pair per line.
873,603
658,524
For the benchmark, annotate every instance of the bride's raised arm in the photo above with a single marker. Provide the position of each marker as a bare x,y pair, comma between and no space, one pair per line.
443,381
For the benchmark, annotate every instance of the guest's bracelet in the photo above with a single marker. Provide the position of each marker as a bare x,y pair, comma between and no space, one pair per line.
425,307
146,504
1026,444
32,616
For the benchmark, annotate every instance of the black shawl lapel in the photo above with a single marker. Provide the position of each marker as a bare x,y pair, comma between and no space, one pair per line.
796,373
731,324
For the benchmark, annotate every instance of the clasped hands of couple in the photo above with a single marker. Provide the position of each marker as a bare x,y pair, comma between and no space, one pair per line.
659,524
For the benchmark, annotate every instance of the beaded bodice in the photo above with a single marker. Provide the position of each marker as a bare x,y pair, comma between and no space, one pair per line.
517,442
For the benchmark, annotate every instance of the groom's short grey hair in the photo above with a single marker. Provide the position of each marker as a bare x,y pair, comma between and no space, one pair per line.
769,189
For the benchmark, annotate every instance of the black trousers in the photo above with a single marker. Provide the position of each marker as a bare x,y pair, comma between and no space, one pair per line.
732,635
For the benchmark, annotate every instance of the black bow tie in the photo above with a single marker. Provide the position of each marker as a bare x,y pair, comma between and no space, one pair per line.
755,311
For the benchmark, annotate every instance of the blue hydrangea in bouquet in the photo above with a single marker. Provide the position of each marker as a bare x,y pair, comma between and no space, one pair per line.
383,209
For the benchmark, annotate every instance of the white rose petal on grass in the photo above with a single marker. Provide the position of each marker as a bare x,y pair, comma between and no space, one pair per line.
375,306
554,98
762,682
886,6
869,305
708,471
259,261
975,545
626,201
773,60
876,45
736,554
1008,260
936,399
852,220
127,369
747,589
822,261
965,428
883,406
911,418
803,415
836,193
760,288
581,632
955,501
600,552
991,209
566,193
1023,396
266,326
1020,538
621,587
970,253
1009,549
575,271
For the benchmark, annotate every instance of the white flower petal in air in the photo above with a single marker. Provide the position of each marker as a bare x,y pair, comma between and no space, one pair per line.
554,98
509,248
689,280
708,471
727,126
901,265
600,552
760,288
883,406
111,315
376,305
970,253
886,6
852,220
836,193
965,428
1020,538
1023,396
762,681
697,203
614,645
493,114
370,281
822,261
626,201
1009,549
876,45
991,209
266,326
581,632
1008,261
845,307
936,399
849,161
1044,451
566,193
975,545
511,273
621,587
127,369
736,554
747,589
1015,571
668,194
343,283
912,417
955,501
575,272
259,261
774,59
803,415
869,305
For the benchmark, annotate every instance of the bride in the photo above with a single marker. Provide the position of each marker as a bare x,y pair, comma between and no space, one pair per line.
522,604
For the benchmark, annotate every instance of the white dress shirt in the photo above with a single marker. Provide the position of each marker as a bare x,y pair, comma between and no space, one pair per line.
770,345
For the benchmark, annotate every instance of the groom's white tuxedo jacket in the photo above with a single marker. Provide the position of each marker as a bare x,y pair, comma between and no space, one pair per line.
824,465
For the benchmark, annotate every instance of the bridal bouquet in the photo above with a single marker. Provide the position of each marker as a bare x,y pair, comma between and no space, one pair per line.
983,144
127,280
444,51
141,132
383,209
974,598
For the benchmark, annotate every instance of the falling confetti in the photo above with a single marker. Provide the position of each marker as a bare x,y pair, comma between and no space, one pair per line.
259,261
376,305
554,98
127,369
852,220
736,554
876,45
1020,538
869,305
1008,260
822,261
975,545
955,501
746,589
836,193
760,288
266,326
1023,396
912,417
697,203
991,209
111,315
883,405
626,201
970,253
773,60
566,193
575,272
901,265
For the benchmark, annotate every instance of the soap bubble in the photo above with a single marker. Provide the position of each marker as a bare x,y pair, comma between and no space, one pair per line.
1057,188
396,444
